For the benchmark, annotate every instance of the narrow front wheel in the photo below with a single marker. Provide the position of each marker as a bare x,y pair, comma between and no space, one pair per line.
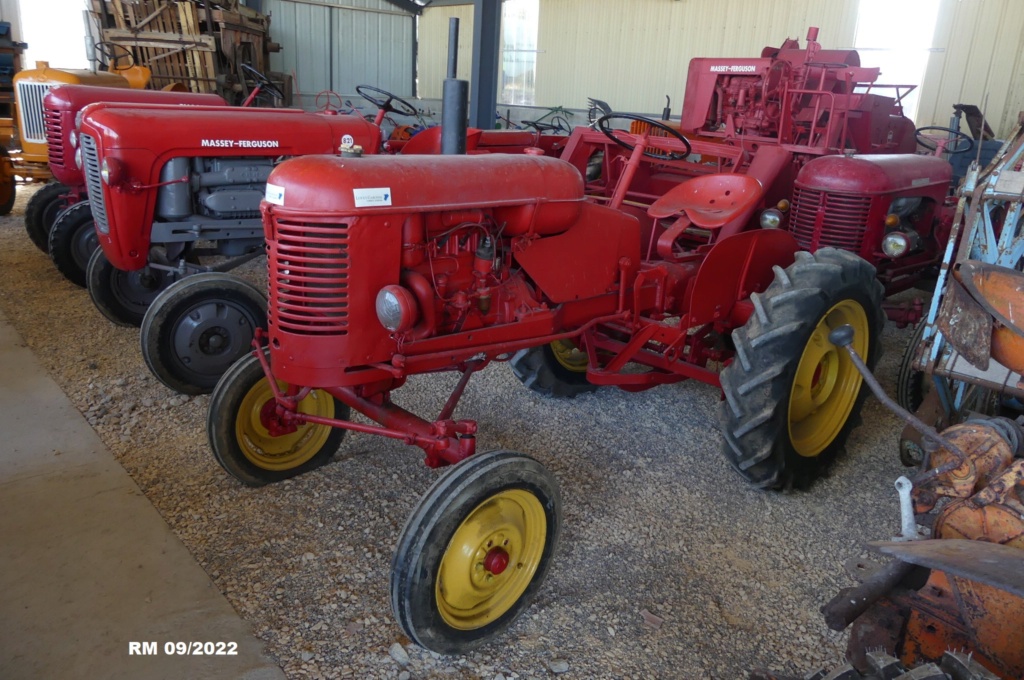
475,550
123,297
250,438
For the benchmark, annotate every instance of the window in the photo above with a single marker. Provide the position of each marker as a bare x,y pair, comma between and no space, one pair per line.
519,21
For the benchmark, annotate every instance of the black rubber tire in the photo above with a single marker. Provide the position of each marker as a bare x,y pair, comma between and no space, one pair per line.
221,419
432,525
72,242
123,297
42,211
757,385
539,370
179,327
910,383
8,187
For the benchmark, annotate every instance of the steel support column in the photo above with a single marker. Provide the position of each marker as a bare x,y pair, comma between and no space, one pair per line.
483,93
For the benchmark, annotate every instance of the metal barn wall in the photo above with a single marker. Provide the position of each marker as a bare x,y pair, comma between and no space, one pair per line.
631,53
978,50
433,47
336,45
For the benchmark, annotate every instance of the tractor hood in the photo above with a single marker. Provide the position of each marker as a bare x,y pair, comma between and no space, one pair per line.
322,184
228,131
873,174
77,97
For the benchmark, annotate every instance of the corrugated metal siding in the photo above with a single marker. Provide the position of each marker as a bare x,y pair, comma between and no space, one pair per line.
631,53
978,51
336,45
433,47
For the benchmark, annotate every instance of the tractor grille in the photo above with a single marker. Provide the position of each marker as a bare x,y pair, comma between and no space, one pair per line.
54,140
309,268
30,111
821,219
93,182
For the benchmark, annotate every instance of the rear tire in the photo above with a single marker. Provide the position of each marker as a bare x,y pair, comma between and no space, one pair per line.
475,550
911,383
72,242
42,211
241,443
791,397
123,297
198,327
556,370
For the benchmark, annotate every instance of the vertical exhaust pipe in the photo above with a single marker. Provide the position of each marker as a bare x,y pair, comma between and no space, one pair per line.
454,99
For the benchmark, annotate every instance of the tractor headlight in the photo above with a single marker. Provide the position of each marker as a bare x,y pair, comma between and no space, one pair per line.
78,158
771,219
397,310
899,243
73,139
111,171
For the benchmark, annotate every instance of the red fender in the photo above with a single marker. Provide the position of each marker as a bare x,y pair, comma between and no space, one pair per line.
736,267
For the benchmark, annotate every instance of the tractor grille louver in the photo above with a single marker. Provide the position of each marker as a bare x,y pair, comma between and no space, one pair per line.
30,111
54,140
94,183
842,224
308,276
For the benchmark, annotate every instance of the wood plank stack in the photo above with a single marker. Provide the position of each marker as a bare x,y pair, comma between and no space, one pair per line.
197,44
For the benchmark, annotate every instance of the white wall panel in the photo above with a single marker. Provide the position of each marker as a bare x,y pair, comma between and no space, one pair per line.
433,47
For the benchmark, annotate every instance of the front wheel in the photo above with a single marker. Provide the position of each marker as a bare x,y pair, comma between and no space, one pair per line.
123,297
72,242
198,327
558,369
475,550
42,211
791,396
250,440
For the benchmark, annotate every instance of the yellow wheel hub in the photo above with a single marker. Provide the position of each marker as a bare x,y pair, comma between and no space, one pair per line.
491,559
286,451
569,356
826,383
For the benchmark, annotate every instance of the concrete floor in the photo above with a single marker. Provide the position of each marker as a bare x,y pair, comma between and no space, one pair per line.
88,566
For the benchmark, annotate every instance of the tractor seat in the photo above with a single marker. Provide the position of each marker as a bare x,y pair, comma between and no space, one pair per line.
710,201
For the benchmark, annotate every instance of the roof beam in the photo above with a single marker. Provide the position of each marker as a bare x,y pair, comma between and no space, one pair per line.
408,6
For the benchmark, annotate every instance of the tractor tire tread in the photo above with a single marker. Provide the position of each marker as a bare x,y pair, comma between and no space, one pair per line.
533,368
38,231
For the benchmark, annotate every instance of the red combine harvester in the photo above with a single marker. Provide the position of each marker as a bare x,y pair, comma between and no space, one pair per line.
671,265
61,107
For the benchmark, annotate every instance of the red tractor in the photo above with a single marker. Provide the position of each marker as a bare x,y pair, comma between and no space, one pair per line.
61,106
670,265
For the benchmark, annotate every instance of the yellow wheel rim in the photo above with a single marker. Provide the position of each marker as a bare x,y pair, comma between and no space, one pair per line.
826,383
569,356
287,451
504,534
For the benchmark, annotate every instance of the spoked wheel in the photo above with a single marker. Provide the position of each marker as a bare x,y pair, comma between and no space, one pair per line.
475,550
791,396
72,242
42,211
558,369
123,297
255,444
198,327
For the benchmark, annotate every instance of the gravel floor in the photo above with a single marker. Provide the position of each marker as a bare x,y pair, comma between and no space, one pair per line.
655,521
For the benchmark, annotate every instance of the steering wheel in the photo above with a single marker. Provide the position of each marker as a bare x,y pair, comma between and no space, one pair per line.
602,125
962,144
325,101
557,124
771,89
114,52
406,109
262,82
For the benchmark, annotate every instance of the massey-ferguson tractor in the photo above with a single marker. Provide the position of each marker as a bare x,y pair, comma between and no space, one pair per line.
670,265
61,106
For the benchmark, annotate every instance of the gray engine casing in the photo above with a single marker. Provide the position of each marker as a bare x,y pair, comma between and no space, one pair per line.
217,188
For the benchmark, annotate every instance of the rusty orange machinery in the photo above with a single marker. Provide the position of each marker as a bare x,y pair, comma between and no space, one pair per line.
972,595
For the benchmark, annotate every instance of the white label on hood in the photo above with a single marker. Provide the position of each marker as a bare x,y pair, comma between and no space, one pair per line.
371,198
275,194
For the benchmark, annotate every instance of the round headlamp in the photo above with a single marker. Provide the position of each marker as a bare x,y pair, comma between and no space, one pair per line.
396,309
895,244
73,139
771,219
111,171
78,158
